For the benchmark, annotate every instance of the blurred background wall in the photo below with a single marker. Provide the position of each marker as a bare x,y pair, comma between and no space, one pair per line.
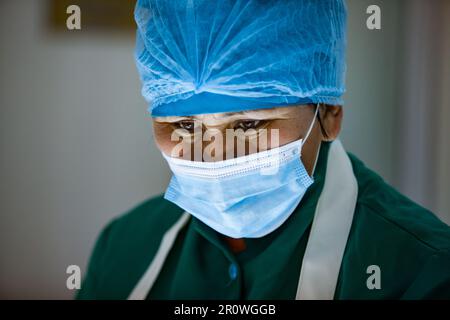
76,144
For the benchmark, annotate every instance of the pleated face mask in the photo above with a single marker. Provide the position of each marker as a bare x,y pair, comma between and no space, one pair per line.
245,197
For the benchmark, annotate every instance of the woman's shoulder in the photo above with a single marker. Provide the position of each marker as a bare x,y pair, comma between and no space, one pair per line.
143,226
125,247
153,214
390,211
408,244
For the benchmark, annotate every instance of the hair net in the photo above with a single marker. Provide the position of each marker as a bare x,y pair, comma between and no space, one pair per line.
209,56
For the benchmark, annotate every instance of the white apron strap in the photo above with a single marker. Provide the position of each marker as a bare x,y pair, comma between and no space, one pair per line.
330,228
146,282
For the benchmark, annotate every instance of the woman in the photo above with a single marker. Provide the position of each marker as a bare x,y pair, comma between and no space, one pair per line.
264,202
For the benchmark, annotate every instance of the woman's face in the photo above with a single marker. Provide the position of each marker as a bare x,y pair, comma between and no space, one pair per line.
220,136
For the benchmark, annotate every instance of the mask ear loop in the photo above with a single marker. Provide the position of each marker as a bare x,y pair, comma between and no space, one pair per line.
307,135
311,125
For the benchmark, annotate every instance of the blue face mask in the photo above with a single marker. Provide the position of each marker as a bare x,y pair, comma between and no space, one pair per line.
244,197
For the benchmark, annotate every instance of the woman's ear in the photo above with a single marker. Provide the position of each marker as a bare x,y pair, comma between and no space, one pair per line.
330,117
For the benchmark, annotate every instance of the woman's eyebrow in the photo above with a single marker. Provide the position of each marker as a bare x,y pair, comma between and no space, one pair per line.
172,118
263,114
230,116
233,113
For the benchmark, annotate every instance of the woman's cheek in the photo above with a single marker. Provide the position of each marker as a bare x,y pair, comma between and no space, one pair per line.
285,133
163,137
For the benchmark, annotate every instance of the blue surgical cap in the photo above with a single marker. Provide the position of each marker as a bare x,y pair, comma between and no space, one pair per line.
209,56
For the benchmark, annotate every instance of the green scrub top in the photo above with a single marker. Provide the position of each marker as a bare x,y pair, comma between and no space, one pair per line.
396,250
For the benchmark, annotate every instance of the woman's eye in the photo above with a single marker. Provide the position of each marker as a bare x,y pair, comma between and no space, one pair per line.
186,125
247,124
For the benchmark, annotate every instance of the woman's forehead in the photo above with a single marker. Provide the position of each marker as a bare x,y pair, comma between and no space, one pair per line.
218,118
